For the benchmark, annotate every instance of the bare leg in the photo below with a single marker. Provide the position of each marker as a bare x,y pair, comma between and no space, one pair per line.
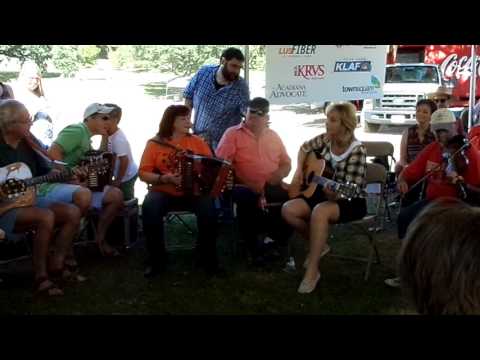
42,220
112,205
67,218
296,213
82,198
323,215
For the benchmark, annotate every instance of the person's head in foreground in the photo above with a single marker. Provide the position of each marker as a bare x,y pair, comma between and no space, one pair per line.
439,260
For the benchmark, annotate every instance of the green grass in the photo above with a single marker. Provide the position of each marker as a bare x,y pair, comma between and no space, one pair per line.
117,286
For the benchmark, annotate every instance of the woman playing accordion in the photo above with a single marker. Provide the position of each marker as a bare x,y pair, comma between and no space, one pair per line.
159,168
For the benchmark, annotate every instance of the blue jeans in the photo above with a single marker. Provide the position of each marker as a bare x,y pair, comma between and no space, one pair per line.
407,215
157,204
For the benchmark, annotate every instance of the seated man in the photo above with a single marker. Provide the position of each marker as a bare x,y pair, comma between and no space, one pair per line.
464,181
16,147
126,170
260,162
159,169
70,146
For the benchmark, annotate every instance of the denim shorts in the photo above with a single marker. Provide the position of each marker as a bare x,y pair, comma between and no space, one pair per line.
58,193
97,197
7,221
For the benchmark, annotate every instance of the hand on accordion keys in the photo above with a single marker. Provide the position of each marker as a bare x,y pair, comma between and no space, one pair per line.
171,178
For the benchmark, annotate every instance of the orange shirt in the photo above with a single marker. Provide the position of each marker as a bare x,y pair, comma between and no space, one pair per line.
254,159
159,158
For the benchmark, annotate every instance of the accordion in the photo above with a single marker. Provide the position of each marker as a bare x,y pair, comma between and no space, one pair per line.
100,169
202,175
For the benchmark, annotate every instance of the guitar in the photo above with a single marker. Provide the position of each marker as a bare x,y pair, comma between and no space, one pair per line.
313,170
17,186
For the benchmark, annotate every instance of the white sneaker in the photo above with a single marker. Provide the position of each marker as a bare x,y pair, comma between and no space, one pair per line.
393,282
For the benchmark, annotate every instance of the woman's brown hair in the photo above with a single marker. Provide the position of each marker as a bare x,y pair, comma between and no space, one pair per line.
166,124
440,259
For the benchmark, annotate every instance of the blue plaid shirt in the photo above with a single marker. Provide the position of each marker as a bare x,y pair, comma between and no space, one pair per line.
215,110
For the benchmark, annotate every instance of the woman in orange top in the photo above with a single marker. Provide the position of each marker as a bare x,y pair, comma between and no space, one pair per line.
159,170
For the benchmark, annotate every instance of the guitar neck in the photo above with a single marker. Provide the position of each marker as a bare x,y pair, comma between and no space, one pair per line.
53,177
324,181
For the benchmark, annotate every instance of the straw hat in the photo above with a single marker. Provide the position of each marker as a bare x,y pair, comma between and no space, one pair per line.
441,91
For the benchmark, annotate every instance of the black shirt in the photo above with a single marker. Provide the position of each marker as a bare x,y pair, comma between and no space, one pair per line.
217,85
23,153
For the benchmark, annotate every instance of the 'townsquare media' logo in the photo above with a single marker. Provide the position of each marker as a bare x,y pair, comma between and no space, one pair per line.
373,87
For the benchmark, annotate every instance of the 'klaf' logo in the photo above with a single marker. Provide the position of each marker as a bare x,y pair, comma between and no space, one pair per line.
353,66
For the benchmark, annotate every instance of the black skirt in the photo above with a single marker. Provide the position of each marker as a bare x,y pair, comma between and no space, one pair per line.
350,210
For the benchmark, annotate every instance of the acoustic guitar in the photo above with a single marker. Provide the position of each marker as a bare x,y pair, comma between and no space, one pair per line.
317,172
17,186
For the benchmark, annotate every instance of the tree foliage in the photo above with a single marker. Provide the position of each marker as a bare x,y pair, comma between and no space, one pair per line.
179,59
182,60
40,54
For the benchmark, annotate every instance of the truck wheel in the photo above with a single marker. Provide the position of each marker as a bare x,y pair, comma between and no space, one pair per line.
371,128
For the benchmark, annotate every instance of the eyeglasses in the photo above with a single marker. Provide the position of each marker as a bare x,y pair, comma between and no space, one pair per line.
441,101
28,121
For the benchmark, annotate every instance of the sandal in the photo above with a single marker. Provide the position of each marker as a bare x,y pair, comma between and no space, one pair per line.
50,289
71,273
112,253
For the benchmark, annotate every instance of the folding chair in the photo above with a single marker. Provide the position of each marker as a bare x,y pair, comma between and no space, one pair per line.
178,217
382,153
376,175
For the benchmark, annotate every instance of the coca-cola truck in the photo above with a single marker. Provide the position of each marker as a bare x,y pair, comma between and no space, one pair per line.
412,72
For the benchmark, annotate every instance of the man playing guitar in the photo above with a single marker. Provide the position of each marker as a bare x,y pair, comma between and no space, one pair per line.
44,212
311,212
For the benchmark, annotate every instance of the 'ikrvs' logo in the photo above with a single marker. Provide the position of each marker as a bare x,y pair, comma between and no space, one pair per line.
298,50
309,72
352,66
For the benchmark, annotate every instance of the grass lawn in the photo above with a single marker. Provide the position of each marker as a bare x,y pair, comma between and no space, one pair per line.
117,286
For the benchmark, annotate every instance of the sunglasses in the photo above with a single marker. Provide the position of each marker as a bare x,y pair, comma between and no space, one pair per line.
441,101
257,112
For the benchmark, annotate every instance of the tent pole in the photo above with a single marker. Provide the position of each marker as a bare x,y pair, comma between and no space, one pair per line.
247,60
473,83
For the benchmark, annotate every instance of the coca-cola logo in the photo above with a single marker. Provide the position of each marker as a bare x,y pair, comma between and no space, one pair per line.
454,68
309,71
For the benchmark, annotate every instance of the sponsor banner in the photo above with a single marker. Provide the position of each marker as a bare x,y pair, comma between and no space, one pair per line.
318,73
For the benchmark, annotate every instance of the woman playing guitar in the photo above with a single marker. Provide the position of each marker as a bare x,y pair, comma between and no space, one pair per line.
311,212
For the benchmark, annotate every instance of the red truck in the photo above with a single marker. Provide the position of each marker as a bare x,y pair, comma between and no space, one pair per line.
412,72
454,62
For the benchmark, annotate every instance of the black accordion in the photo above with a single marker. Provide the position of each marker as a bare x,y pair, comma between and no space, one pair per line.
100,169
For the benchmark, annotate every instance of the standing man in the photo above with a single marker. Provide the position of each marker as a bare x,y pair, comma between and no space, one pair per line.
218,96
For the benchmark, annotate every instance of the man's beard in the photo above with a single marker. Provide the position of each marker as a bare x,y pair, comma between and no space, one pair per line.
228,75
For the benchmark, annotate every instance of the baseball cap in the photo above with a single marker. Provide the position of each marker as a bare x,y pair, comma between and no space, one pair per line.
259,106
96,108
443,119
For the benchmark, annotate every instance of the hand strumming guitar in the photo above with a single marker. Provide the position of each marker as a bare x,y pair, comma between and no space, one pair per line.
330,194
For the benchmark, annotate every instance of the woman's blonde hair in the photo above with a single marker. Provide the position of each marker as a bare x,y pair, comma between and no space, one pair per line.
30,69
348,114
